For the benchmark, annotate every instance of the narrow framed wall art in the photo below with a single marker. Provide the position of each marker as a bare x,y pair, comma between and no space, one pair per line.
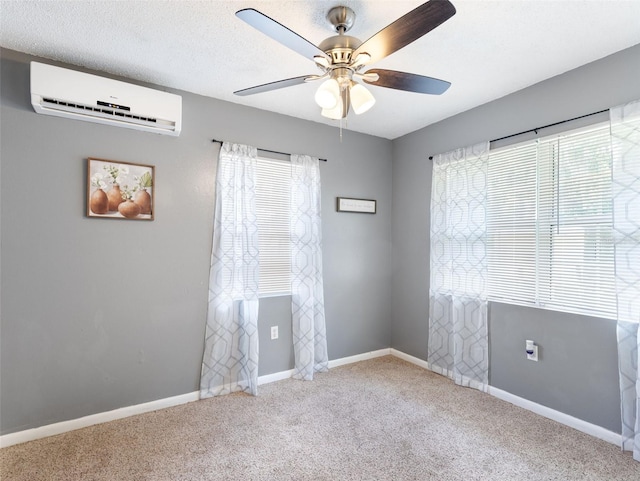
120,190
364,206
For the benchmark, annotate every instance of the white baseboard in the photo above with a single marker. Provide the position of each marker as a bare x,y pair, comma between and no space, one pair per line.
86,421
359,357
575,423
411,359
279,376
65,426
276,376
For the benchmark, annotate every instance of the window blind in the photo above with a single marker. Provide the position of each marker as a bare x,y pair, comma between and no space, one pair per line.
273,198
549,220
511,224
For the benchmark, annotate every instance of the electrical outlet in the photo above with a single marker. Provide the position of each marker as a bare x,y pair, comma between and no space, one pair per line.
274,332
531,350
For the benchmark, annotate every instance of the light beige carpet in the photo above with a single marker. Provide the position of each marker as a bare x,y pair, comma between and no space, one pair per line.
382,419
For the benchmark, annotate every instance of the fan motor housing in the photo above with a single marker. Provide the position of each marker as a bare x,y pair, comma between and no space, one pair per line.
340,48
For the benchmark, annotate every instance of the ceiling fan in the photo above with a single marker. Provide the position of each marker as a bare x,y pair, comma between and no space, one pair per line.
342,58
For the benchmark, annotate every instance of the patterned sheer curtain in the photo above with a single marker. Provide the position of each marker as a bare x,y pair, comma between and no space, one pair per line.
307,294
230,361
625,138
458,334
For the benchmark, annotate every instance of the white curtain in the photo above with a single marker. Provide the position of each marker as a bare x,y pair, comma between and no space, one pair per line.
230,361
307,294
458,335
625,138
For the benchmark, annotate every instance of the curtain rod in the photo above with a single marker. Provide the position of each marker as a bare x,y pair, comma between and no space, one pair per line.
267,150
544,127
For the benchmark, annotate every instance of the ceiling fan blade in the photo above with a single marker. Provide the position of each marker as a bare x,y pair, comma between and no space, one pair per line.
278,84
408,81
279,32
406,29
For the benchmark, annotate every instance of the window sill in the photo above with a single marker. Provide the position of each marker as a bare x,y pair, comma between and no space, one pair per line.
274,294
553,307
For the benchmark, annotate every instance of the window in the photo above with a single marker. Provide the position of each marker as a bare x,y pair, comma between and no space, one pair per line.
549,224
273,194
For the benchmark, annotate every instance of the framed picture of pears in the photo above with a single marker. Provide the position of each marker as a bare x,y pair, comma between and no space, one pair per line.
120,190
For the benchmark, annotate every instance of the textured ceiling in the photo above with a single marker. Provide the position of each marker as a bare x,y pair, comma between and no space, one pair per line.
487,50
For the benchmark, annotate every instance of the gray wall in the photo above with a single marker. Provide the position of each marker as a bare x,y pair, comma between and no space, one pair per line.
100,314
577,372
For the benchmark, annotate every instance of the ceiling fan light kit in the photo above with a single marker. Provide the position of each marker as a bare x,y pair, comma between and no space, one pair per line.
341,57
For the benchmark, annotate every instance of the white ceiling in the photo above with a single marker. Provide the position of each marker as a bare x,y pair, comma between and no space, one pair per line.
489,49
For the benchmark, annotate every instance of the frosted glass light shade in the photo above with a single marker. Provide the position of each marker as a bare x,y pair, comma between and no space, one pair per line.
361,99
334,113
328,94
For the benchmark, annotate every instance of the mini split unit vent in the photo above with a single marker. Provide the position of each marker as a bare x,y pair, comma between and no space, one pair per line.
81,96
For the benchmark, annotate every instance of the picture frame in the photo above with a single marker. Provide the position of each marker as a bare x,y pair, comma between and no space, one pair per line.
120,190
362,206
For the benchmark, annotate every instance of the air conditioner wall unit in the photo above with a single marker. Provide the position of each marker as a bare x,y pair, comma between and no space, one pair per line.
81,96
